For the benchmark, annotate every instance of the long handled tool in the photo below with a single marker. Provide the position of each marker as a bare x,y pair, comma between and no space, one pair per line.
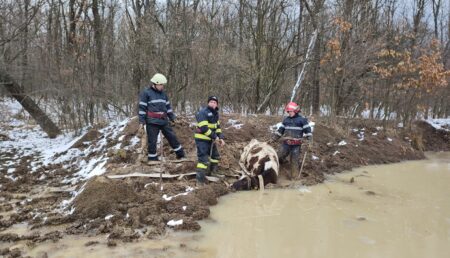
304,159
162,160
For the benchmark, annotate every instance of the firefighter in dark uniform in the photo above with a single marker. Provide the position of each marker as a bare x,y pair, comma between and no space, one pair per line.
155,112
294,128
208,134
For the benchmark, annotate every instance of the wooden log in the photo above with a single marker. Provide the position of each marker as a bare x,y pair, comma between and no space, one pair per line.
151,175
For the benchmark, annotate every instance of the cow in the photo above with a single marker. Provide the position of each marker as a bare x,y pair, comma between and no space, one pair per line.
259,161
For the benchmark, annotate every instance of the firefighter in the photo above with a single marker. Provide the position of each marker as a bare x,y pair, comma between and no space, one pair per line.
293,129
155,112
207,135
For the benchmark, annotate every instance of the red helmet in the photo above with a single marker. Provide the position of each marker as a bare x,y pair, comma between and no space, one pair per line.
292,106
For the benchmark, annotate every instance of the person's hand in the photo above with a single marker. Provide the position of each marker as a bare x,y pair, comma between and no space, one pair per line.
220,142
172,123
309,142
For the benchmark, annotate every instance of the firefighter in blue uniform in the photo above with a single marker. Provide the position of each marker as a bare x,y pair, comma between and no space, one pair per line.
294,128
155,112
208,134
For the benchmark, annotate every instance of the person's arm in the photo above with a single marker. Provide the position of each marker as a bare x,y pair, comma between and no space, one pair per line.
202,125
170,112
280,130
219,131
306,129
143,102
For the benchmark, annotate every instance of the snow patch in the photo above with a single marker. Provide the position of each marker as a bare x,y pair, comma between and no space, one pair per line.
342,143
440,124
174,223
234,123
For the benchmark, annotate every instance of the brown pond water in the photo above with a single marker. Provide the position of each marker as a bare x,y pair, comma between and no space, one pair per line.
399,210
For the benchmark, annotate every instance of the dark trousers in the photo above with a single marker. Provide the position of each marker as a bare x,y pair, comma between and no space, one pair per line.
294,150
203,152
152,133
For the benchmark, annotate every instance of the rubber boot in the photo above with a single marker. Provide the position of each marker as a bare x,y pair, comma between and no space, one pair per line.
200,176
153,159
180,154
214,169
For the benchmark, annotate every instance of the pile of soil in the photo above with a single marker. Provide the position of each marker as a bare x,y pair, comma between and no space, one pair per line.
431,139
130,208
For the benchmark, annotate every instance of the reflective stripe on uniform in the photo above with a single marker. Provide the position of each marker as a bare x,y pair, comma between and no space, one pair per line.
202,123
306,126
157,101
208,133
278,133
212,126
293,128
152,155
169,111
219,130
213,160
142,103
201,165
202,136
308,134
167,102
142,112
177,149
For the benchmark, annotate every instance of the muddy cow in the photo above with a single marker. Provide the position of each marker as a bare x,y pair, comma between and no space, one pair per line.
258,160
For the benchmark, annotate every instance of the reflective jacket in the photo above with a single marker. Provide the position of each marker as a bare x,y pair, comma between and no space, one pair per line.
294,127
208,124
154,107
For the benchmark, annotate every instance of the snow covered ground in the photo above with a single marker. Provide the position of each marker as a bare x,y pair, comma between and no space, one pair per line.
440,123
22,138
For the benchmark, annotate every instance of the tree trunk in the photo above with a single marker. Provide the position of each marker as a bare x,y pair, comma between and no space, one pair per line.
28,104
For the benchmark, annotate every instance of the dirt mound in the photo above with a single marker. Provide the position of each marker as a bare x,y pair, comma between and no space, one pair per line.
430,138
126,206
102,196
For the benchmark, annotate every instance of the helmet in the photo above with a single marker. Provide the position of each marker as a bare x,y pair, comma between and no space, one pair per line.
158,79
292,106
216,99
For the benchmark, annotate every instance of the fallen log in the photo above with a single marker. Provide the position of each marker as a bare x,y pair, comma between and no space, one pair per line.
159,162
162,175
152,175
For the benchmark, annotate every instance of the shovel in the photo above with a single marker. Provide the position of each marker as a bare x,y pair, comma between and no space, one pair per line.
303,161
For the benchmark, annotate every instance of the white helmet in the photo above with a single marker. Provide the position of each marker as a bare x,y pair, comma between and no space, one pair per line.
159,79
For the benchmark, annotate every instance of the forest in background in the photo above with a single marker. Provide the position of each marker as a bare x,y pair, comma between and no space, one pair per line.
388,58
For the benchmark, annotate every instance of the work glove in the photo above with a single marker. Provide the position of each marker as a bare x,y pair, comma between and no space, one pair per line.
219,142
172,123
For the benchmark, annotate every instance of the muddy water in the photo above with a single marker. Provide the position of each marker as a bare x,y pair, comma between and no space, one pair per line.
400,210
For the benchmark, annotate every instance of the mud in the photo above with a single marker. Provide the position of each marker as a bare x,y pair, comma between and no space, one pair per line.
141,207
